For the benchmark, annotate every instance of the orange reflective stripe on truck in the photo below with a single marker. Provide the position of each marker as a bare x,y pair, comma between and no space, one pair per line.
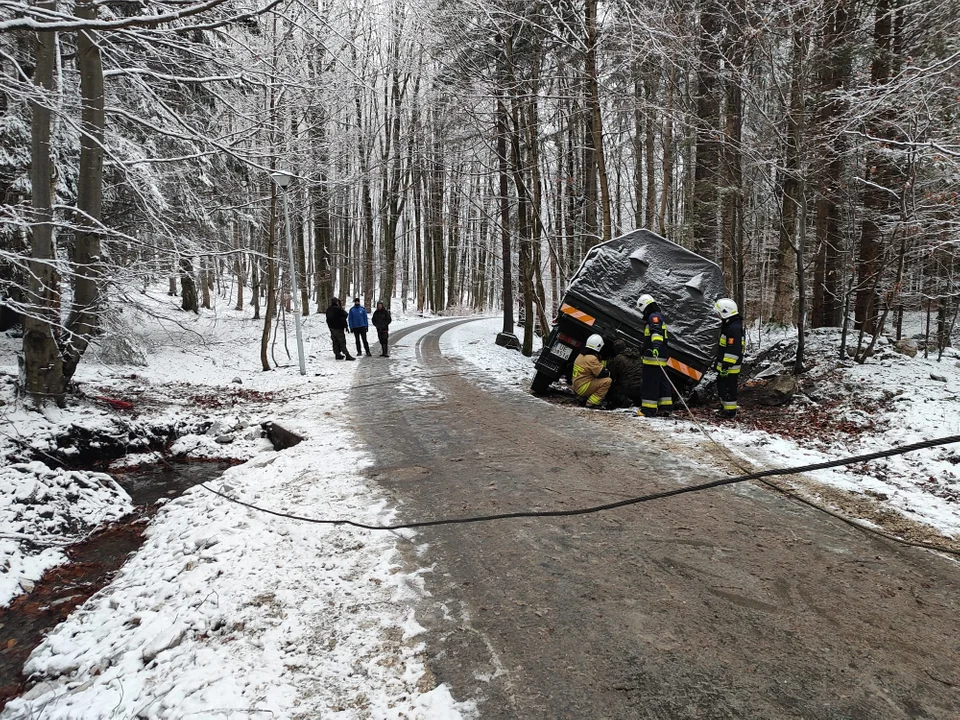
578,314
685,369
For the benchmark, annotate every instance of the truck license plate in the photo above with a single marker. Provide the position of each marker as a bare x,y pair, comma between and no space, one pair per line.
561,351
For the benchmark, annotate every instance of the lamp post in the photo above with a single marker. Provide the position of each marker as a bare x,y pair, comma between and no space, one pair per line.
283,180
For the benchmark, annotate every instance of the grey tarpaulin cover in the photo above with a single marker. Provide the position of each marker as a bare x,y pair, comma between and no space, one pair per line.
684,284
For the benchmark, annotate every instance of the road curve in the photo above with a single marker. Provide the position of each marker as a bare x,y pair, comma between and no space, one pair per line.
732,603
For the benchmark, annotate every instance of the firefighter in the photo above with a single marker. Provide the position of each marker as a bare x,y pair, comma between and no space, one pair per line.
591,379
729,356
656,393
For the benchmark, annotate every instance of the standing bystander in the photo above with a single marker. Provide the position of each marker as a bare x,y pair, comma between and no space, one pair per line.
381,321
358,324
337,323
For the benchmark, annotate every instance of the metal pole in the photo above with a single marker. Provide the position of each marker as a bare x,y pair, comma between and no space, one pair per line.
292,283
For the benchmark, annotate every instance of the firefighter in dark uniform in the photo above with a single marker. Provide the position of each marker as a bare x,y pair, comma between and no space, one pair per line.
730,355
656,393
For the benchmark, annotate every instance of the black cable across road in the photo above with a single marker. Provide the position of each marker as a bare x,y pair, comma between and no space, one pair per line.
901,450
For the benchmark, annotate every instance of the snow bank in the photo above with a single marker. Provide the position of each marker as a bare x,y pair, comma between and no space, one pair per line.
225,611
229,611
41,511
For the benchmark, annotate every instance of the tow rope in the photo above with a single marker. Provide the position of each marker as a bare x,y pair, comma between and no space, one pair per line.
660,495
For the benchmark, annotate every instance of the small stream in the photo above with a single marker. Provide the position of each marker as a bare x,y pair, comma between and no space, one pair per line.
147,486
93,563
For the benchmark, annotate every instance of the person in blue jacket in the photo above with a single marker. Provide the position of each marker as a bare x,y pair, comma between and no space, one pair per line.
357,323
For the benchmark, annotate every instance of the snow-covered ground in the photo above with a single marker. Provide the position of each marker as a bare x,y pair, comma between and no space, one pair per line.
226,612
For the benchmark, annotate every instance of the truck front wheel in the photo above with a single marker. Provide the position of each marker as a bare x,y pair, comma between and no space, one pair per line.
541,381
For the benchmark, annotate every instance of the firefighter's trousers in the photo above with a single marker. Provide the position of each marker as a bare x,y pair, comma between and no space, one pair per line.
655,392
594,390
727,389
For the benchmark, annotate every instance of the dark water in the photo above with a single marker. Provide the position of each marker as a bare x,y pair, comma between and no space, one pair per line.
166,481
93,563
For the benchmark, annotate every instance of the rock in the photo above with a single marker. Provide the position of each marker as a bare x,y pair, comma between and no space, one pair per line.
164,641
907,346
775,368
938,378
280,436
779,391
205,541
47,686
238,381
225,439
217,427
508,340
254,433
852,351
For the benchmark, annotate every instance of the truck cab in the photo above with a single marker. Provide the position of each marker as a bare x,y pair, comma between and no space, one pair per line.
601,298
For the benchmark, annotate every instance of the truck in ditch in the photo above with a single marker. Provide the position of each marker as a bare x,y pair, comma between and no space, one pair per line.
602,295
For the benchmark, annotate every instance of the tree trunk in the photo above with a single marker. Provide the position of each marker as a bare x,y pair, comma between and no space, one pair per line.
638,123
667,186
43,376
238,264
87,302
506,252
704,201
188,286
879,177
300,272
525,260
419,231
393,203
271,274
596,122
205,281
786,273
366,288
827,300
453,236
732,197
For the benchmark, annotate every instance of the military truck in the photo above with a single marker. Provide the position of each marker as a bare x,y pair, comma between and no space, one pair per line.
602,296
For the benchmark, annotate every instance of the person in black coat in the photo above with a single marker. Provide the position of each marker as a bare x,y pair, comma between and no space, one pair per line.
381,321
337,322
626,369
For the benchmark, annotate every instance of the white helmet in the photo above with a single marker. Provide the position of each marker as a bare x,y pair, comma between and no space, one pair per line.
643,301
725,307
595,342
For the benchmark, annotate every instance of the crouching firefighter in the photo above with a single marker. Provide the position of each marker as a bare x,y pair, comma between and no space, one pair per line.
656,392
730,355
591,379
